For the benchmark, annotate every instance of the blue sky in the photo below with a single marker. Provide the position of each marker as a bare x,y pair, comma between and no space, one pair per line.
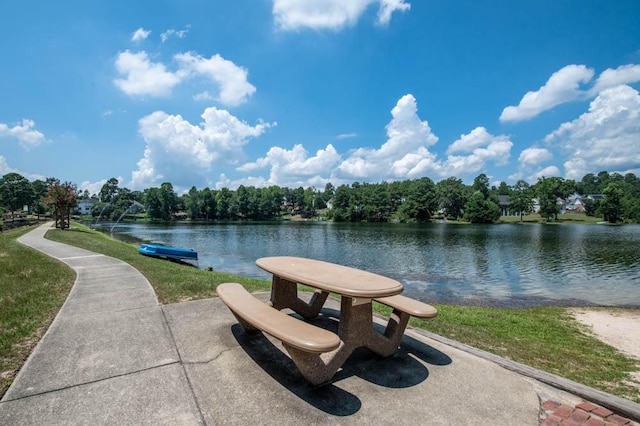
301,93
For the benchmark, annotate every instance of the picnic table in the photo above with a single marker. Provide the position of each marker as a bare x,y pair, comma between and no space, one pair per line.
357,290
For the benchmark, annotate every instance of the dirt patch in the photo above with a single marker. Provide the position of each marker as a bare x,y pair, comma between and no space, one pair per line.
619,328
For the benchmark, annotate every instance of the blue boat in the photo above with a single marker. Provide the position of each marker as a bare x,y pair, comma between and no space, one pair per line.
158,250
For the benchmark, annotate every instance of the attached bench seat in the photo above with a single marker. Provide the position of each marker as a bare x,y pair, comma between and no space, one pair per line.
403,309
304,342
413,307
288,329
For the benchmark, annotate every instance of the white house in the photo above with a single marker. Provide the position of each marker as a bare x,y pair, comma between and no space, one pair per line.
84,206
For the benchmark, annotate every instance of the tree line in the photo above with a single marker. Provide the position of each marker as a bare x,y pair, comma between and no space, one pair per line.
416,200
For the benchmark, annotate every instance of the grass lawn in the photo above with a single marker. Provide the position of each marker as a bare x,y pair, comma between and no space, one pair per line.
562,218
545,338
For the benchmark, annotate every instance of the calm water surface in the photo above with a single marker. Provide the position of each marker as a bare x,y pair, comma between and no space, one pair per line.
498,265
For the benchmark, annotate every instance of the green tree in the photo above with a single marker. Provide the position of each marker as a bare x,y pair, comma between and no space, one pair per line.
153,203
503,189
328,193
589,185
297,200
376,203
481,183
15,192
168,200
341,203
421,200
223,201
309,207
480,209
193,203
240,203
109,190
209,204
121,202
591,206
39,189
62,198
611,206
396,196
452,196
549,190
632,210
521,198
271,202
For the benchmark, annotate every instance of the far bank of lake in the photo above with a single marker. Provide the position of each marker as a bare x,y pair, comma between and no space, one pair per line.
496,265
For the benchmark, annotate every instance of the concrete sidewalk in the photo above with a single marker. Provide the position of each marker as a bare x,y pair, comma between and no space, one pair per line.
113,355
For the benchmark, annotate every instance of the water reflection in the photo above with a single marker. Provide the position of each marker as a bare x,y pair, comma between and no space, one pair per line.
502,265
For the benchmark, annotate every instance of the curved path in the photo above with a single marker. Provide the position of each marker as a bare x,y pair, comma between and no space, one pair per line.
113,355
107,358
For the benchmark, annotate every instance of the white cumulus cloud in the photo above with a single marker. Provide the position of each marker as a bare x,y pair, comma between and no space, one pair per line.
294,167
563,86
330,14
4,166
481,147
604,138
534,156
406,154
171,32
478,137
144,77
140,34
625,74
183,153
550,171
403,153
387,7
25,133
230,78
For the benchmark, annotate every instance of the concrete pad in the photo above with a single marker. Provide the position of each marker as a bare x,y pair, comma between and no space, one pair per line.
86,348
249,379
159,396
103,361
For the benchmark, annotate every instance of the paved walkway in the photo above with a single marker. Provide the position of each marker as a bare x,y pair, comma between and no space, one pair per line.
113,355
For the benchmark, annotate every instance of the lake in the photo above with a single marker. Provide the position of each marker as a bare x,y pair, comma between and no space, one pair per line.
508,265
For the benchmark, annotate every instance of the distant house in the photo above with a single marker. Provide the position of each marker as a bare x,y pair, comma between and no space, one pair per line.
573,203
85,206
536,205
503,203
595,197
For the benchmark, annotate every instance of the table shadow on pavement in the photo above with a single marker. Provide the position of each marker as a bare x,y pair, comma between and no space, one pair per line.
402,370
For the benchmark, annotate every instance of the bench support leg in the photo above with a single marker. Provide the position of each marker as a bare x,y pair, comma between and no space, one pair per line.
248,328
317,368
396,326
284,294
356,328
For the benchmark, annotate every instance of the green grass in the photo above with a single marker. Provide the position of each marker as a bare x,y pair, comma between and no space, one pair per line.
33,287
545,338
562,218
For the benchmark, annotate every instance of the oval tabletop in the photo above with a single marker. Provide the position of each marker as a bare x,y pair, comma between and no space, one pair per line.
330,277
